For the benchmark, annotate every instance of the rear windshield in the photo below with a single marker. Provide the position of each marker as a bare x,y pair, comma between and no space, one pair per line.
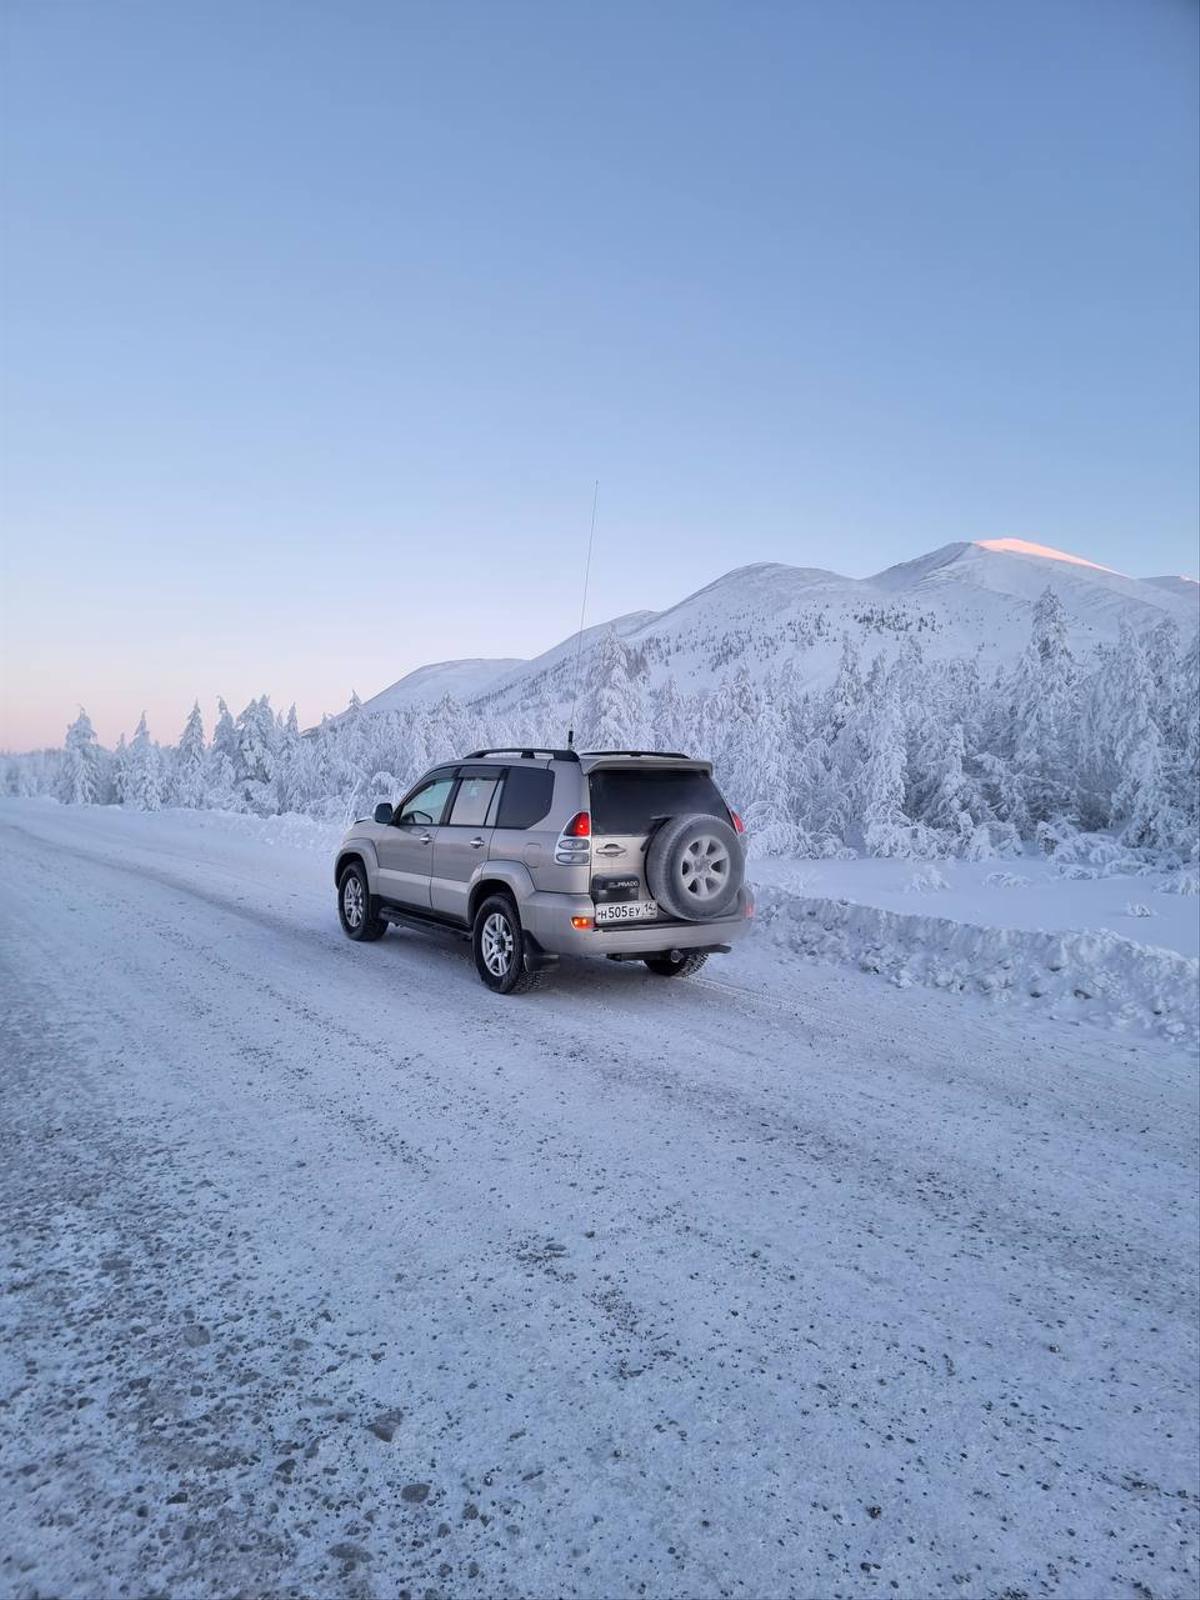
633,802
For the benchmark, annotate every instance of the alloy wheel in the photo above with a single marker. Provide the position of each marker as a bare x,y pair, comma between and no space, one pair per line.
704,868
352,901
496,944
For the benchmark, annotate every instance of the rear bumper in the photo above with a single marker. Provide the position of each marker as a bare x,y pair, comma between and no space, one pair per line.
548,918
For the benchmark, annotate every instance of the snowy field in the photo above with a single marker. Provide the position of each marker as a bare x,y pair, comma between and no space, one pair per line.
327,1272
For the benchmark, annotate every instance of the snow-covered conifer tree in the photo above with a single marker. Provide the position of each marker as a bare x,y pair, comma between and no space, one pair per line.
257,738
118,771
946,804
81,780
188,770
879,789
762,786
668,716
451,733
143,779
611,713
1040,739
1187,766
1141,799
847,689
287,744
220,785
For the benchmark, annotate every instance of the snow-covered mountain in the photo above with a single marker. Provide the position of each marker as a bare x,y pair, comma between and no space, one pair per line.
475,678
955,705
1176,584
965,599
426,685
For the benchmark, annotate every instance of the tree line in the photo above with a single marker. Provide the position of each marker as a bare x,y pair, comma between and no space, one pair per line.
908,757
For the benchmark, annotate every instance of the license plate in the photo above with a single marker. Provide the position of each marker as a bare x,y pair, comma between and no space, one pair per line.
627,911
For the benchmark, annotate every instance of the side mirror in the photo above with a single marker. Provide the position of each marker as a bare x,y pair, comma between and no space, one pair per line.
383,813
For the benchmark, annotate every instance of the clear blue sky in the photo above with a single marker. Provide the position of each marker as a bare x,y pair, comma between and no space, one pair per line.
320,319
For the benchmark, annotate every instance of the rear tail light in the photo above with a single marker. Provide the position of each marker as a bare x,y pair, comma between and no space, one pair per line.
581,923
574,847
738,825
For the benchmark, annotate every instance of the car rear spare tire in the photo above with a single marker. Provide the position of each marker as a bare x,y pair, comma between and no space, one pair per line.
695,866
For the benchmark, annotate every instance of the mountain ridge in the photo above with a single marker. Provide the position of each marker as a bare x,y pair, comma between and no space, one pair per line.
968,598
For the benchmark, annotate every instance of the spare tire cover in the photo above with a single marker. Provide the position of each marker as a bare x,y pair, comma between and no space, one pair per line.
695,866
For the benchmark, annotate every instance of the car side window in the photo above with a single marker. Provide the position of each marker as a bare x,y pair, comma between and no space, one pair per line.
427,805
528,792
472,802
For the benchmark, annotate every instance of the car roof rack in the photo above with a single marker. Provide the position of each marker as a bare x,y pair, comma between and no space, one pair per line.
527,752
668,755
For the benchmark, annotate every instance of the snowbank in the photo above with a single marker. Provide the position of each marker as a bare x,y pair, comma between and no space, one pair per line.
1135,898
1092,975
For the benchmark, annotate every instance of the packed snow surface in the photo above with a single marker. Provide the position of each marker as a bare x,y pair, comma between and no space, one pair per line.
328,1272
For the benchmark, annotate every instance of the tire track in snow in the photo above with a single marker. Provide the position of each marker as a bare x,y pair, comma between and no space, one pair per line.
725,1349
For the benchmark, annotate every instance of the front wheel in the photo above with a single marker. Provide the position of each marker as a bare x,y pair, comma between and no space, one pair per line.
499,945
354,907
679,966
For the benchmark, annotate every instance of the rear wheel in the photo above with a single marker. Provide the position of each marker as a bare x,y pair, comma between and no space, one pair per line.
499,945
677,966
354,907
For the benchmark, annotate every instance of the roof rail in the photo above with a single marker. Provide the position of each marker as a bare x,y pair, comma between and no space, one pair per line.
526,752
669,755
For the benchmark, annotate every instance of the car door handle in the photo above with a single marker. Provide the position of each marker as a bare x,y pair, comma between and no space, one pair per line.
424,838
611,850
477,844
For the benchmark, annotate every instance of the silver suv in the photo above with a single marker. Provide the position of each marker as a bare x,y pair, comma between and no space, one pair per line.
534,854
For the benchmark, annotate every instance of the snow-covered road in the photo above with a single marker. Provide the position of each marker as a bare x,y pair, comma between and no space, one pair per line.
327,1272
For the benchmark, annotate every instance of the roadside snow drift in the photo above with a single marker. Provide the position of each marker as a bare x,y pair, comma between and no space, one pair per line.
1093,976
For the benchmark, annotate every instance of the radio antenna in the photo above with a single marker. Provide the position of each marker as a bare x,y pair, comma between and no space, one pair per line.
587,574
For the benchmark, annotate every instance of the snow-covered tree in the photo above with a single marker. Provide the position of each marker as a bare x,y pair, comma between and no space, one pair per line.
143,771
81,782
257,744
118,771
1035,732
879,790
220,788
847,697
1141,800
611,715
287,769
189,767
949,805
668,716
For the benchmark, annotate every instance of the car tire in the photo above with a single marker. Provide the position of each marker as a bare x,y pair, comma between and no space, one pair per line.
355,908
695,866
677,966
499,946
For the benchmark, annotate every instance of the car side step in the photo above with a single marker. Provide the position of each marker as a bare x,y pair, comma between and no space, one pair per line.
405,917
